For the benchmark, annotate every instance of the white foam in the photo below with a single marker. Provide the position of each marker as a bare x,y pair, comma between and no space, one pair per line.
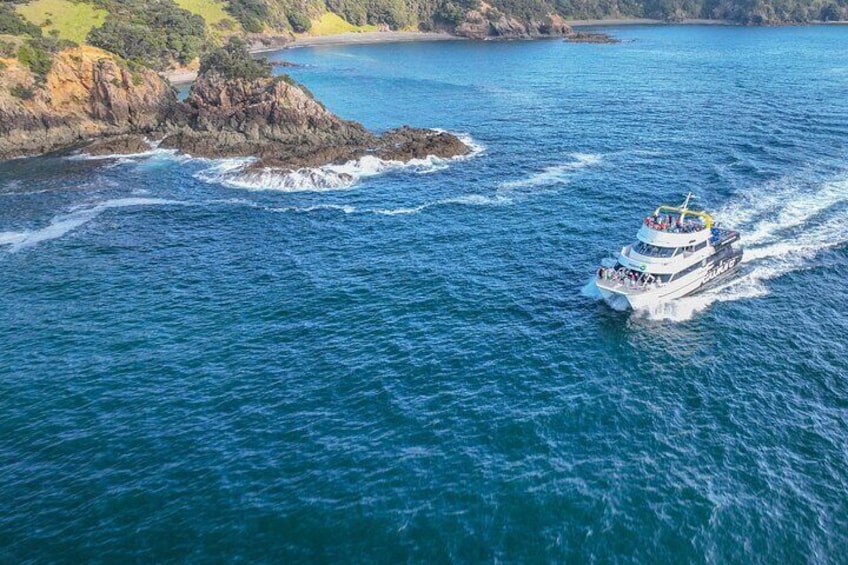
154,152
65,223
329,177
401,211
555,175
590,290
465,200
335,207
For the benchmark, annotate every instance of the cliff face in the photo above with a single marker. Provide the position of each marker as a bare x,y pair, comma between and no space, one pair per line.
488,22
265,118
86,94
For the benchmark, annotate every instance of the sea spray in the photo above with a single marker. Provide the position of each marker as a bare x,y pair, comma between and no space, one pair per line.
75,218
554,175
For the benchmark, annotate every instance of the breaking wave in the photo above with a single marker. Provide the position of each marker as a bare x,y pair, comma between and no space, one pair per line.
468,200
784,226
65,223
230,172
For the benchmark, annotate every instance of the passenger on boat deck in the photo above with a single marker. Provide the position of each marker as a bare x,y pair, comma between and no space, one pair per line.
670,224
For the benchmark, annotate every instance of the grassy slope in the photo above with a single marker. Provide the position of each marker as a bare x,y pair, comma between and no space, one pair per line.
331,24
72,20
210,10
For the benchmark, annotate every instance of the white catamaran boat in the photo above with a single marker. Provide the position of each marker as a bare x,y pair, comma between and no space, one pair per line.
678,252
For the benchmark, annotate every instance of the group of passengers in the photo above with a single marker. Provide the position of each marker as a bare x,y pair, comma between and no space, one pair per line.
669,223
629,277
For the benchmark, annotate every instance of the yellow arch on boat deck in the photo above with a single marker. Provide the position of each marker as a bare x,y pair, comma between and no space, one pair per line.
708,220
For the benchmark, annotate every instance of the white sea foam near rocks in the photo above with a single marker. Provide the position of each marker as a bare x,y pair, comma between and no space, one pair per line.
312,179
154,151
64,223
232,173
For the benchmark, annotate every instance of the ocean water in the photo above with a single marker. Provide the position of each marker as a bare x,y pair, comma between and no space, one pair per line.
198,365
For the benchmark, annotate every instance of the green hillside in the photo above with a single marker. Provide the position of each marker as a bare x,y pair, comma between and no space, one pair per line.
165,33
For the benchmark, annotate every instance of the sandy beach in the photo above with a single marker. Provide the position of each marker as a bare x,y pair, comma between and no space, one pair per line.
354,38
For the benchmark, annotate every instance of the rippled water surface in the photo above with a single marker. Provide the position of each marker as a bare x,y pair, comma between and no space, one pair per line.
198,365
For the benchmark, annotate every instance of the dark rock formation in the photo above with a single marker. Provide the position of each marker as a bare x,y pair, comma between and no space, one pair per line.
265,118
487,22
119,145
590,37
282,125
405,143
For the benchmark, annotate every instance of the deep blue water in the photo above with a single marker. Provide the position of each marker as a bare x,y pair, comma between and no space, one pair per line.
412,368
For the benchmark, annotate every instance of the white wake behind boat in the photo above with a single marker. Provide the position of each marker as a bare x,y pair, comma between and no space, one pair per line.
678,251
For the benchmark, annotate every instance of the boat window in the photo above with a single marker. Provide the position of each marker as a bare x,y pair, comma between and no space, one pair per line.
700,246
649,250
687,270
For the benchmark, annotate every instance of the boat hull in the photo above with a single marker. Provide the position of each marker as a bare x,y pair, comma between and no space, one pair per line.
621,297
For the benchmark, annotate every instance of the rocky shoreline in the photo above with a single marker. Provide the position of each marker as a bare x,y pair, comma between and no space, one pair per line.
89,98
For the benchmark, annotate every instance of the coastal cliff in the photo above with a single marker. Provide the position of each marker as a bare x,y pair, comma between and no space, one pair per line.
487,22
90,97
87,93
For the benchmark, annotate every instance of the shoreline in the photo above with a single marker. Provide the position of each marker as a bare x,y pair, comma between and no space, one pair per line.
370,37
646,21
186,76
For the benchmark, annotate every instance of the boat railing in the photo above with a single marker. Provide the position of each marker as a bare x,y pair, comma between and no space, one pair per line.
719,236
671,225
623,279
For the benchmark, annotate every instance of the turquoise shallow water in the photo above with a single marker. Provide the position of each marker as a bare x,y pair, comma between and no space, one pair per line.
411,367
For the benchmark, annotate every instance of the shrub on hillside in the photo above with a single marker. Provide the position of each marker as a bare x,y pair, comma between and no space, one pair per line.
352,11
152,34
233,61
300,22
251,14
393,13
7,49
22,92
34,56
13,24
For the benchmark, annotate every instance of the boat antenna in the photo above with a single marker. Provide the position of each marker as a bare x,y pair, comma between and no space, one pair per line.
685,207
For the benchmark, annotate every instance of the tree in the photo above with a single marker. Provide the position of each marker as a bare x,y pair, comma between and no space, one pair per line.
300,22
233,61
